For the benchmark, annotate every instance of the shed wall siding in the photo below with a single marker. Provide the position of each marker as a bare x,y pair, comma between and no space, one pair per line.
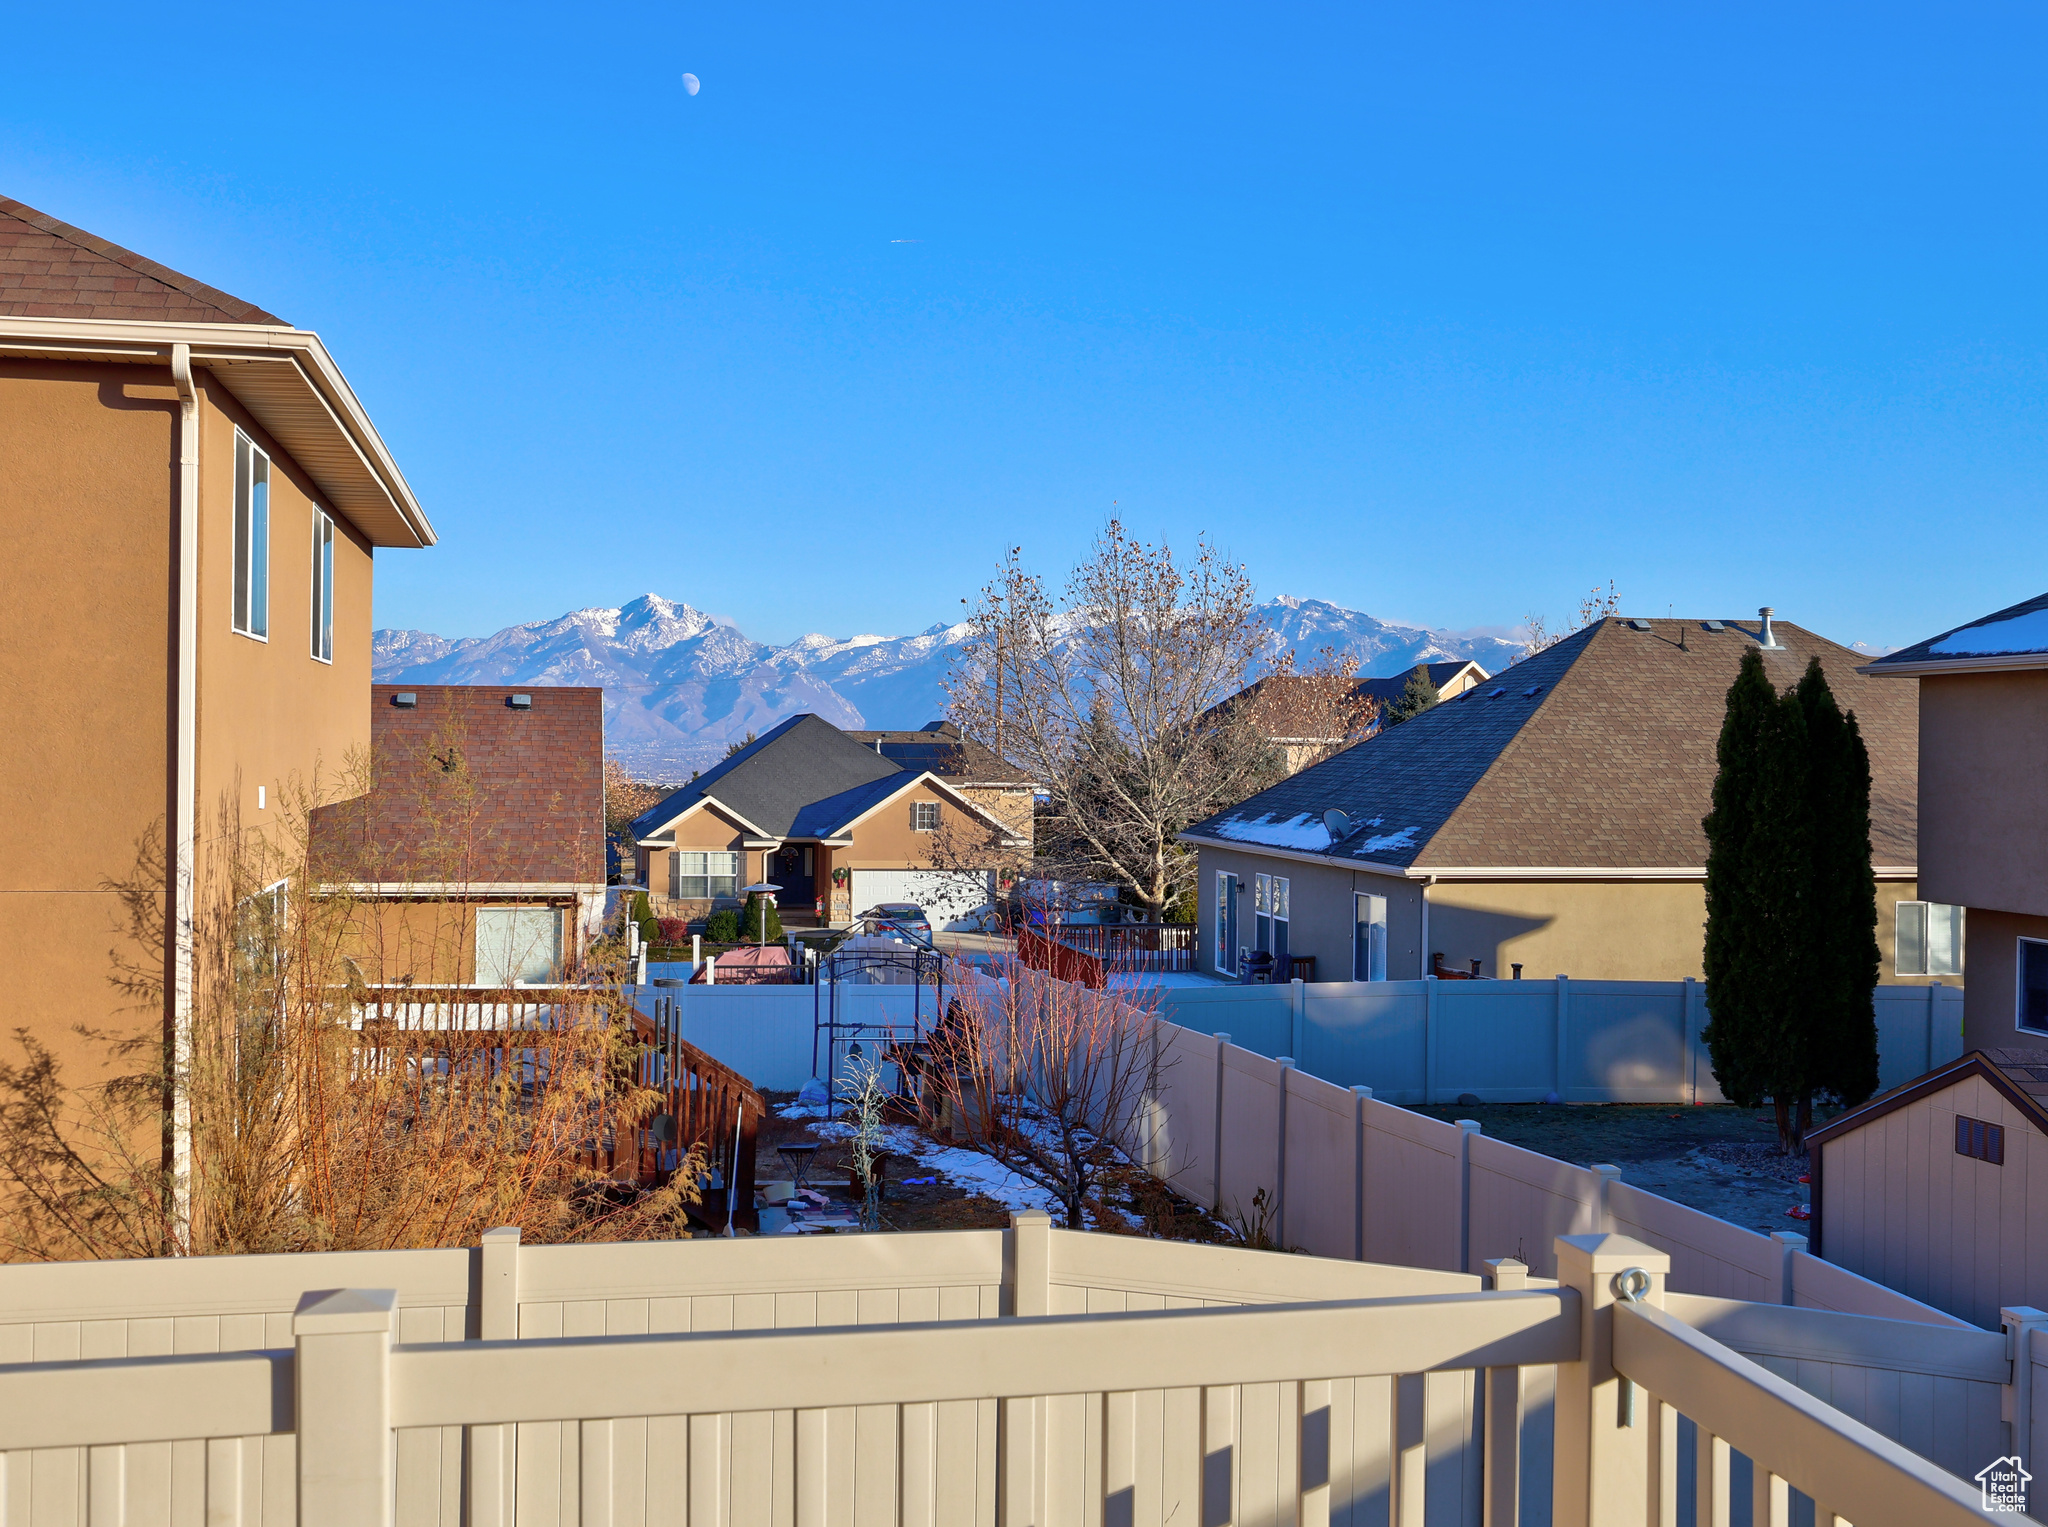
1901,1207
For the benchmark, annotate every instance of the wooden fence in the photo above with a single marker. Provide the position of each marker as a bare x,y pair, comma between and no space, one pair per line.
705,1105
1061,961
1031,1377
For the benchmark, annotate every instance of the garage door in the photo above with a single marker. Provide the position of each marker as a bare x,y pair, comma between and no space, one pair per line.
949,897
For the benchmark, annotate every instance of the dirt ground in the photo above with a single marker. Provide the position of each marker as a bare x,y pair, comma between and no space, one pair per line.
1721,1159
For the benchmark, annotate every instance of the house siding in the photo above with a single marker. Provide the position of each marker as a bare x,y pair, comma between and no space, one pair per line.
1319,900
1983,802
1900,1206
1991,964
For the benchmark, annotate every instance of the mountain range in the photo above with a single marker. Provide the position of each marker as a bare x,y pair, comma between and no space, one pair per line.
680,684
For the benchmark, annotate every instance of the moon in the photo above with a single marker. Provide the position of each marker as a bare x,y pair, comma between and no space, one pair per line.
690,84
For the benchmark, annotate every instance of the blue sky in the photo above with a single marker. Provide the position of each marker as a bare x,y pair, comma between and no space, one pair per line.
1443,312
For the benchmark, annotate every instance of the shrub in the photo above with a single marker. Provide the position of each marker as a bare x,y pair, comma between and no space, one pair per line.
674,930
761,909
723,927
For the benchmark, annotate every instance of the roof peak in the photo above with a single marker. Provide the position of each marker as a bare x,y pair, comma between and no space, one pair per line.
51,269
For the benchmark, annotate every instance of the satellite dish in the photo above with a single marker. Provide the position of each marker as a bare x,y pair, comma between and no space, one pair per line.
690,84
1338,825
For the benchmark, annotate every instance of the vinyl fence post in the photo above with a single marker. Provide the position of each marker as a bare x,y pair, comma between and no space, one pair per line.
2016,1405
1024,1418
1690,1084
1604,1176
1216,1153
1286,1064
1363,1096
1467,1128
1564,1028
342,1406
1601,1468
1297,1017
1429,989
1501,1498
1789,1243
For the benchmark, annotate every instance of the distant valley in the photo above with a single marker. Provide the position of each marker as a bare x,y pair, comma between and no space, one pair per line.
679,686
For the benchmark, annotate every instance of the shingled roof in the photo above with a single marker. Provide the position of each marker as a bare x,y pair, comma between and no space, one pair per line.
946,751
1598,752
2015,637
49,269
469,791
778,778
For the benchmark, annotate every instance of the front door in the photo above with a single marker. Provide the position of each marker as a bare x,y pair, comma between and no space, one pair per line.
790,868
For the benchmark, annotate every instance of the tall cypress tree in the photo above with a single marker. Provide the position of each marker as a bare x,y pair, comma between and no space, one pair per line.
1842,960
1760,898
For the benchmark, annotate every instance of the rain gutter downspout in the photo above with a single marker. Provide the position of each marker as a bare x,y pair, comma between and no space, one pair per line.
1427,882
185,790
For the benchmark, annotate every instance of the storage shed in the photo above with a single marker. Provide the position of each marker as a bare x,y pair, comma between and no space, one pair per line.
1939,1188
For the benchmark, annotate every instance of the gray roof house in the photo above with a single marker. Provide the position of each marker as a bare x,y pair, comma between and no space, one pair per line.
1547,818
837,826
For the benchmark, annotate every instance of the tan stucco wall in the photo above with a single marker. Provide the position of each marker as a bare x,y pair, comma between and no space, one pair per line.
432,942
1592,930
1991,961
88,477
87,461
885,840
1015,809
1984,790
269,711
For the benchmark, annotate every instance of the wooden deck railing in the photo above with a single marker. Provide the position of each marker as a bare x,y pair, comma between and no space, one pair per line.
704,1103
1061,961
1133,946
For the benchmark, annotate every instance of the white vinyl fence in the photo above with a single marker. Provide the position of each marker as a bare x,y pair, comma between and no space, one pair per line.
1434,1041
1032,1377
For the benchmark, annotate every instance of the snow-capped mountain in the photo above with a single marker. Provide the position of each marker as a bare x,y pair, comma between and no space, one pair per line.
680,685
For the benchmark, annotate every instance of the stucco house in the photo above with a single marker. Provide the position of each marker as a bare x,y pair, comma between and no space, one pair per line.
1983,802
836,825
1549,817
192,499
981,774
477,856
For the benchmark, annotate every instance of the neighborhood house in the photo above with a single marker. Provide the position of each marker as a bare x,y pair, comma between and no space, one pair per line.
835,826
1548,818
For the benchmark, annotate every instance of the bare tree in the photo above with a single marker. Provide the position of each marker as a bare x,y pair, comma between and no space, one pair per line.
1049,1077
1595,606
1109,694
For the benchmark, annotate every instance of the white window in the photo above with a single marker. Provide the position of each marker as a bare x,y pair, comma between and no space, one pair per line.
323,587
1928,939
517,944
1369,938
1269,911
1226,924
2031,1000
924,816
697,876
252,539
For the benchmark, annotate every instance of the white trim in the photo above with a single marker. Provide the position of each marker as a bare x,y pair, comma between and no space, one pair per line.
463,888
1995,662
701,801
322,602
242,557
1009,839
1501,871
363,482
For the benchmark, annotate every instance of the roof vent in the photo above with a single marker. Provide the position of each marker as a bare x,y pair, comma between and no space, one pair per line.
1713,625
1639,625
520,702
1532,691
406,700
1768,640
1496,694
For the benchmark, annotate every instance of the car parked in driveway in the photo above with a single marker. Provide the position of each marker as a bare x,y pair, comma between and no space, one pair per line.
905,915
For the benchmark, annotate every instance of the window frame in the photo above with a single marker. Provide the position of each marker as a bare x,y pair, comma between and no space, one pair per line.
250,574
1952,920
701,874
518,912
323,587
1373,922
924,816
2019,984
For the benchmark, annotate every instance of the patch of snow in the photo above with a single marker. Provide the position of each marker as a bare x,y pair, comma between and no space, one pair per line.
1299,831
2016,633
1405,838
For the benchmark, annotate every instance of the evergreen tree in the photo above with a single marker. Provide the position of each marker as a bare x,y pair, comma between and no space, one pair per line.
761,908
1417,696
1842,955
1760,899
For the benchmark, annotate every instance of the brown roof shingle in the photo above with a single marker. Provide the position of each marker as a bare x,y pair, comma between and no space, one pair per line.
468,791
49,269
